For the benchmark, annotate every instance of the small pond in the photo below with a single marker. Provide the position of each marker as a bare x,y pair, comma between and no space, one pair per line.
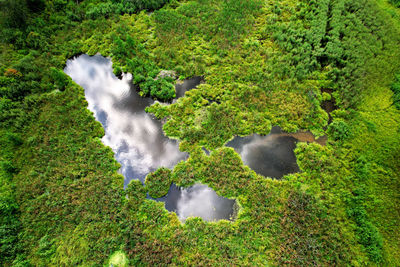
198,201
272,155
137,138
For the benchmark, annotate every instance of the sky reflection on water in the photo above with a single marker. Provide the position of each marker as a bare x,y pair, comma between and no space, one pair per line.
136,137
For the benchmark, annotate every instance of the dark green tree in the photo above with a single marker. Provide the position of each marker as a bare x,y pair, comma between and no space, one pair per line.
15,13
36,5
396,3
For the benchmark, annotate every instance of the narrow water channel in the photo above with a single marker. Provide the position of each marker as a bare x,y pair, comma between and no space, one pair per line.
137,138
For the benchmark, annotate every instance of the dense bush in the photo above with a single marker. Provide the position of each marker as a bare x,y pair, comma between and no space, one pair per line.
21,80
15,13
396,91
367,232
9,220
325,36
142,4
135,59
118,7
234,18
158,182
61,80
106,9
9,208
306,222
396,3
339,130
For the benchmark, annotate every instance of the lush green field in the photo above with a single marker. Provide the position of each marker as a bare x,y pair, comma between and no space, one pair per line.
265,63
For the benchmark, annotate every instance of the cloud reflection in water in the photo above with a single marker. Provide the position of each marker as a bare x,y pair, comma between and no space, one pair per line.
136,137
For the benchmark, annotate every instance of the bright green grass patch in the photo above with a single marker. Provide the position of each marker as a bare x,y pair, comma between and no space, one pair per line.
118,259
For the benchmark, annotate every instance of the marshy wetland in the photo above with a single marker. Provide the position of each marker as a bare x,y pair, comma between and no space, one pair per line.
192,139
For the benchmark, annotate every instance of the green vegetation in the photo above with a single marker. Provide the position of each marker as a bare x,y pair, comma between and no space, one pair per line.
158,183
396,91
265,63
118,259
396,3
9,220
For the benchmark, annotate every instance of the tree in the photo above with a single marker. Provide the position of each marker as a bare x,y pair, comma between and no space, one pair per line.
14,13
396,3
36,5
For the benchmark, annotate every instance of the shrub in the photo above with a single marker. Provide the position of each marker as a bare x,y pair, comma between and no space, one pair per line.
396,3
368,234
60,78
60,4
339,130
158,182
100,10
12,73
138,61
396,91
16,13
136,194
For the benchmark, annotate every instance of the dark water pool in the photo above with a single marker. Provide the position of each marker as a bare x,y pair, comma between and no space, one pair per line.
272,155
186,85
136,137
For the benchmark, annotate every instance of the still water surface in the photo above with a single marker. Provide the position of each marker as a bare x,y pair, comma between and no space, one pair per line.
272,155
198,201
136,137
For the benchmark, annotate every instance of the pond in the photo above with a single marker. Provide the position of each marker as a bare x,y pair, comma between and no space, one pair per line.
272,155
198,201
137,138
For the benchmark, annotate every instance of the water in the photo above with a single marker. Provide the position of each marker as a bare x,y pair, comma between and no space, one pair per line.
136,137
272,155
182,87
198,201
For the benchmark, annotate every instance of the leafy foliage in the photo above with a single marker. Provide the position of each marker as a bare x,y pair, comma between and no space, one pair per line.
15,13
325,36
396,91
9,208
396,3
117,7
137,60
158,182
367,232
339,130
